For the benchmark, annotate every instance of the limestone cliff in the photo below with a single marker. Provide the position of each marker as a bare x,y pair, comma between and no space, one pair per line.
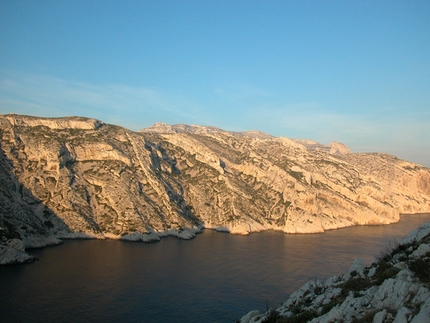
196,129
78,177
395,288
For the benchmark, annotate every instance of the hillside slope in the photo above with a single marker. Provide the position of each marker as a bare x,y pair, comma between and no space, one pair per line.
77,177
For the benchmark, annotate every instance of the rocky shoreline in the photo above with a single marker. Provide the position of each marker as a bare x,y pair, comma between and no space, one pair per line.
75,177
394,289
15,251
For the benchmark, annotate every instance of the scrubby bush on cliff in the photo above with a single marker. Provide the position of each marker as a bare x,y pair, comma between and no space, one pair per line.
395,288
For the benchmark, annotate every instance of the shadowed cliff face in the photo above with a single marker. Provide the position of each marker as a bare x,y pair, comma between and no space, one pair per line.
101,181
106,181
25,222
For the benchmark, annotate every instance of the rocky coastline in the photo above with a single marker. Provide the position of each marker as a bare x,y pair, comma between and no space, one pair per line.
75,177
393,289
16,251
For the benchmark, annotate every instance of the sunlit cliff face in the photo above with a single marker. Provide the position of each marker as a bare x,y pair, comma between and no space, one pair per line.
81,176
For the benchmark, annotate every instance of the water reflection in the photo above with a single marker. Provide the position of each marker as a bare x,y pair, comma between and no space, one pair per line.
214,278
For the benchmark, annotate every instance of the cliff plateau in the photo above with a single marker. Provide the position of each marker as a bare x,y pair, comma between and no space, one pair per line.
81,178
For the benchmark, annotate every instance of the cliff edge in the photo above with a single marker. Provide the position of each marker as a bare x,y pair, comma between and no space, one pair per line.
76,177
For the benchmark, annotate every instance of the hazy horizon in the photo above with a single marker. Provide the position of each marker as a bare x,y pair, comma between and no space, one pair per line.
354,72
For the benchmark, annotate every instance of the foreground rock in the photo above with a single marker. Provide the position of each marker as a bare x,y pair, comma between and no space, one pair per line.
395,288
81,178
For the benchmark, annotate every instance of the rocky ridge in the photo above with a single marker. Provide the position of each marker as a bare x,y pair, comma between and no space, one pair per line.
161,127
394,289
81,178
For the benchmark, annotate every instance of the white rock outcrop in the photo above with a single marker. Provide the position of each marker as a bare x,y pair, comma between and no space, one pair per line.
55,123
13,252
80,178
379,293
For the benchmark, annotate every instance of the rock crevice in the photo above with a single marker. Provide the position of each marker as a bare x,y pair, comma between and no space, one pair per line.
78,177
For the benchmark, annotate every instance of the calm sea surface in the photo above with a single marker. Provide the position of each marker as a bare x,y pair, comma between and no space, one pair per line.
216,277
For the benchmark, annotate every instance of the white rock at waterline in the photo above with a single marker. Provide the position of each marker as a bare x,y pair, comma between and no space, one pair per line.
404,297
250,317
417,234
13,252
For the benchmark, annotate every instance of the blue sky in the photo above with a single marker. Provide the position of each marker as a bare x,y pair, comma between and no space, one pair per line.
353,71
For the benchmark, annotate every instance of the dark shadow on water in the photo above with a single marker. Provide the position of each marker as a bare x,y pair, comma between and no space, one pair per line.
213,278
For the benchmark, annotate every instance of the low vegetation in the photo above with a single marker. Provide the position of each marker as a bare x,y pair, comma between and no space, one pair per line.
387,265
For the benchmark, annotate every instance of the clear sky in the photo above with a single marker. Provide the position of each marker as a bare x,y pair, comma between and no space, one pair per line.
353,71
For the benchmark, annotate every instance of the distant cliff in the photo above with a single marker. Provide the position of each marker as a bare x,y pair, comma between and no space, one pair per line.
395,288
77,177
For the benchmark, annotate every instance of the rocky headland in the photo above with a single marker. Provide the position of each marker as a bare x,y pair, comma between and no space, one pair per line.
75,177
394,289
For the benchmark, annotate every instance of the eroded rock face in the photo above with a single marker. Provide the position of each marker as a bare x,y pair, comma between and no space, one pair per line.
395,288
77,177
54,123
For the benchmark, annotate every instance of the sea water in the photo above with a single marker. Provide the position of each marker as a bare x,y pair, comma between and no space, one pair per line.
216,277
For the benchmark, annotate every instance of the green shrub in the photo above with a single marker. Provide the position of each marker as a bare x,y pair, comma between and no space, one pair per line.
355,284
384,271
302,317
327,308
421,269
368,317
273,317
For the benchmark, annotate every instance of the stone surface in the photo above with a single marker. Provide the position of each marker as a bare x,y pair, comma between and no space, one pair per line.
380,316
417,234
13,252
424,314
80,178
252,316
356,269
386,295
